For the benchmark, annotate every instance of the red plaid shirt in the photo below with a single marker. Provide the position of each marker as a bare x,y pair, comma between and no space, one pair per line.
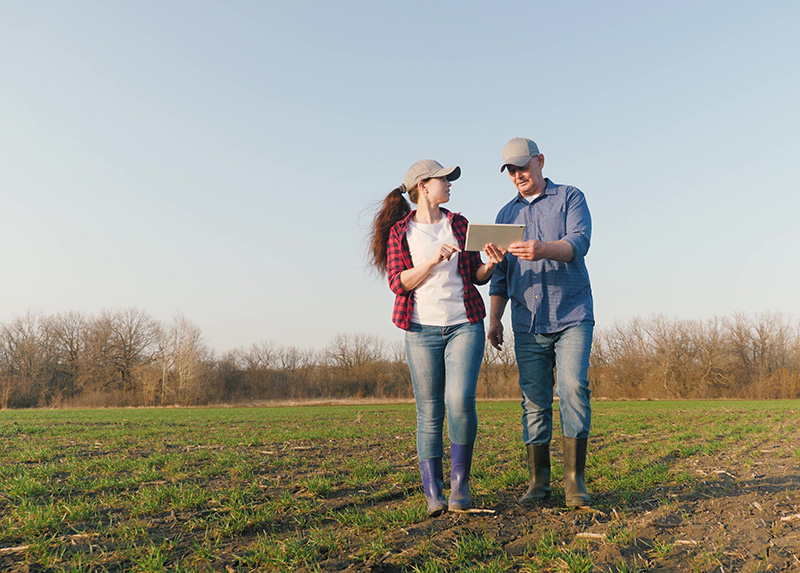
399,259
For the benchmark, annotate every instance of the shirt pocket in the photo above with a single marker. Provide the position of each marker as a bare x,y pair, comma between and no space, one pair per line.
548,225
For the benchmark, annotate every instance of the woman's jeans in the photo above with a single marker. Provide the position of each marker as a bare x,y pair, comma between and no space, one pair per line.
568,353
444,363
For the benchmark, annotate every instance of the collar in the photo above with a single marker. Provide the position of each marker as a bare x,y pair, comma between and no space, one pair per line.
549,189
407,220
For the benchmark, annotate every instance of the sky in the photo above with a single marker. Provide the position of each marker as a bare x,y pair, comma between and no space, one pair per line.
223,159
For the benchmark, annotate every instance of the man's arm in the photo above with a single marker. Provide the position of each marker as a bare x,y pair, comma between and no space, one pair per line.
497,308
574,244
534,250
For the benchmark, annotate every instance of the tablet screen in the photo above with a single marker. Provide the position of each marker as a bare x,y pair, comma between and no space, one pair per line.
478,235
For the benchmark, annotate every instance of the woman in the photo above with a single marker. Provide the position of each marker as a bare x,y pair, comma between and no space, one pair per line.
442,312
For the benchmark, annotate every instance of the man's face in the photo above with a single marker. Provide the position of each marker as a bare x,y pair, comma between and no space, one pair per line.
528,179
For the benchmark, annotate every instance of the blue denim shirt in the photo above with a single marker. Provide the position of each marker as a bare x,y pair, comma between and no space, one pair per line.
547,296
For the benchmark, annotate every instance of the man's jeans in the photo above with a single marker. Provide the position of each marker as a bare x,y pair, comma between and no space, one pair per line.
537,355
444,363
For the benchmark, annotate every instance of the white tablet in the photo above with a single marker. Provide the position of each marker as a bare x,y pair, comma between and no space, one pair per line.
478,236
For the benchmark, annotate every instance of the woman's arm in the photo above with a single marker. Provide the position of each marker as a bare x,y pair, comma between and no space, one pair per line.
413,277
495,255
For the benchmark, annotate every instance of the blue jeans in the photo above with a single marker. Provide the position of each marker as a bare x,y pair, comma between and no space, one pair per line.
537,356
444,363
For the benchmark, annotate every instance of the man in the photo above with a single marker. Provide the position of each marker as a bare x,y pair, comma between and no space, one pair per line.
546,280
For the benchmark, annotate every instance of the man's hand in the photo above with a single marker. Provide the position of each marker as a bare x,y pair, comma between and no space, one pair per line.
495,334
532,250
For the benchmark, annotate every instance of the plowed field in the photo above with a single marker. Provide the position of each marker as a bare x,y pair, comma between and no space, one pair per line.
676,486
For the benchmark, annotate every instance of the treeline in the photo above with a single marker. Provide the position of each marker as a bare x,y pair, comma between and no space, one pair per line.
741,356
126,358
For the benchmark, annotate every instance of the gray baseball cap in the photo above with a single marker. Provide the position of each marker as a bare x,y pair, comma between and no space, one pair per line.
428,169
518,152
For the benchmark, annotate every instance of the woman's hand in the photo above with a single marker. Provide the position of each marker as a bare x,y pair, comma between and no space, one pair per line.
495,254
413,277
444,253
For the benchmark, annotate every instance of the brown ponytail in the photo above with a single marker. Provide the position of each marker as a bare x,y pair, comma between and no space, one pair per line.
394,208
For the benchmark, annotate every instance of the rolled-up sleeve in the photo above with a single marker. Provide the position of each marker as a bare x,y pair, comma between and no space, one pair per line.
578,224
396,260
474,262
499,284
471,260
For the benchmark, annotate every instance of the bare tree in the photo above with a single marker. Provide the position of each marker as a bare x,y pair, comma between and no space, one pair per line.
351,351
398,375
499,369
27,362
670,347
188,351
743,351
258,364
708,341
131,344
67,332
624,348
97,378
357,362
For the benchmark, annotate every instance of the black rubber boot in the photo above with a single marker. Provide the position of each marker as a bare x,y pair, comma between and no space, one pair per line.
539,470
574,470
433,483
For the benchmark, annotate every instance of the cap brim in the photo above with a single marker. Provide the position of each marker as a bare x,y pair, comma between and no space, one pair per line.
519,161
450,173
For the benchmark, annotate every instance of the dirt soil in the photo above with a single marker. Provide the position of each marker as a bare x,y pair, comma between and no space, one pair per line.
731,519
734,517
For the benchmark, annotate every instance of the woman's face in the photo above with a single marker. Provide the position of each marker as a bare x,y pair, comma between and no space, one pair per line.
437,190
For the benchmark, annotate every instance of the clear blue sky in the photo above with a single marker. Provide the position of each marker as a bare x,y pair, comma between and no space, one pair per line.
219,158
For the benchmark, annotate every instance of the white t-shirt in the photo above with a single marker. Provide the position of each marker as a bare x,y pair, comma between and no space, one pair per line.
531,198
439,299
